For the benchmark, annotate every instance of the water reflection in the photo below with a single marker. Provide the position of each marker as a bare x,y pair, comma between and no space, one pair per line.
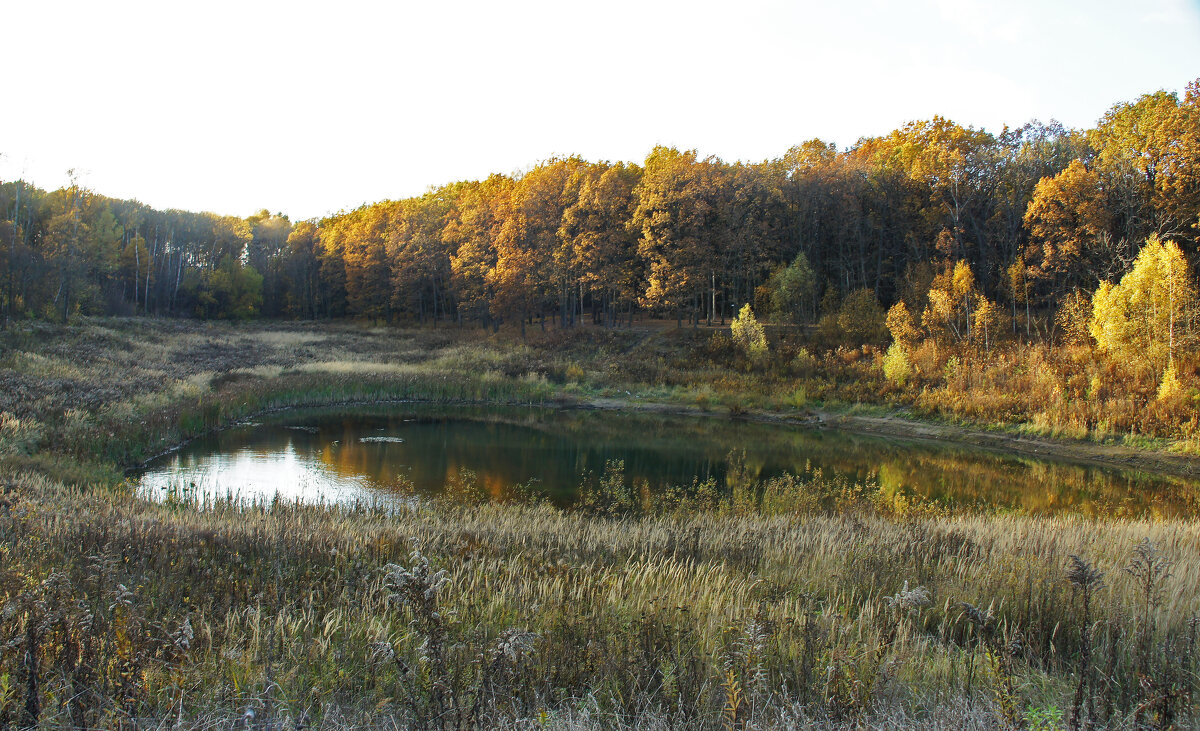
364,456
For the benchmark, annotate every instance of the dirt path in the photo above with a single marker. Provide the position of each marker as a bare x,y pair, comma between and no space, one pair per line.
1115,455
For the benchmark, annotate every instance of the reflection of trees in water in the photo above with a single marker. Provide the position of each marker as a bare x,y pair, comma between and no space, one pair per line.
1030,486
504,447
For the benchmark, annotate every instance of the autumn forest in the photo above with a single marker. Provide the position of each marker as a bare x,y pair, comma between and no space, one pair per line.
1036,212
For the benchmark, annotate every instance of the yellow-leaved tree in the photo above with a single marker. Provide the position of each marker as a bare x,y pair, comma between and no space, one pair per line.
950,298
985,323
1151,312
749,335
897,366
902,327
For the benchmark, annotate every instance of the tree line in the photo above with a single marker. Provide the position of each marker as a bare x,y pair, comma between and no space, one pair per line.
1035,213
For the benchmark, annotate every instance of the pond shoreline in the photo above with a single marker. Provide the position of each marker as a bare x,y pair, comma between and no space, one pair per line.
892,424
888,424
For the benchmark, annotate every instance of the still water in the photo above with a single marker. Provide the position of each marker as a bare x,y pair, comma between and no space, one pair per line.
367,454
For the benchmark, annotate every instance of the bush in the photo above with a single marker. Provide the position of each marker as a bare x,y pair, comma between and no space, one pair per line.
901,325
792,288
896,366
860,318
804,362
749,335
1073,318
1170,388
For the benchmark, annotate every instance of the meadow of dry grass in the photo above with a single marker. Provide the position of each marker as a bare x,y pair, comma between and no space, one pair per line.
732,614
801,602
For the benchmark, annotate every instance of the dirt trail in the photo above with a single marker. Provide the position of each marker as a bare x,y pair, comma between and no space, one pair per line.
1115,455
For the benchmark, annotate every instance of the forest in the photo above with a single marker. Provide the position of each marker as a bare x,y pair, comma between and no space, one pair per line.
1039,215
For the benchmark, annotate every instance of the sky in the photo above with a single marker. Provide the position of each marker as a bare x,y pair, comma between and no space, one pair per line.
307,108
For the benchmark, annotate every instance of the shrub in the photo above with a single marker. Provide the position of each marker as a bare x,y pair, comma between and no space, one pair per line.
749,334
900,324
896,366
1170,388
804,362
792,289
860,318
1073,317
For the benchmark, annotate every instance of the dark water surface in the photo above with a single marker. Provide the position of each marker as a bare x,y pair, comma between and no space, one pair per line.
366,454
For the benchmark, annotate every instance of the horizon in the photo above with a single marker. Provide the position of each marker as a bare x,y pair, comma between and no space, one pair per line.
317,113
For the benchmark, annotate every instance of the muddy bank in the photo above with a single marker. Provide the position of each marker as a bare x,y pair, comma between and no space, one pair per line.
1115,455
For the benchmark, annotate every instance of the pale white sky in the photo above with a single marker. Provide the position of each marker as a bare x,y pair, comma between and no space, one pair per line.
307,108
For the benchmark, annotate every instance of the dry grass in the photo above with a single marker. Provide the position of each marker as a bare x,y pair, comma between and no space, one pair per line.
797,603
289,606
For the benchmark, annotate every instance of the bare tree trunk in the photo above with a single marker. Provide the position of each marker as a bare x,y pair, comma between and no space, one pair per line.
712,313
12,256
149,266
137,270
178,276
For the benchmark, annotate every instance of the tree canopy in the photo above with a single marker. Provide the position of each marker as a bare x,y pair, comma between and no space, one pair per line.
1032,213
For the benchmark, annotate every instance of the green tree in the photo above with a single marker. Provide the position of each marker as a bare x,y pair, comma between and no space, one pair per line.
860,318
301,271
794,289
65,241
229,291
266,252
133,267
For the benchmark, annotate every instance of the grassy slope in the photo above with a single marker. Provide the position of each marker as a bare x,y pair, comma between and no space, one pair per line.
96,384
667,618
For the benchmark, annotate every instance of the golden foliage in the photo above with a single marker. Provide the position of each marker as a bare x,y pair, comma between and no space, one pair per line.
1150,313
748,333
896,366
1170,388
950,299
1073,317
985,322
902,327
1066,218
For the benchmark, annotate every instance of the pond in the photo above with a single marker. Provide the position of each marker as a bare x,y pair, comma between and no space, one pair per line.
400,452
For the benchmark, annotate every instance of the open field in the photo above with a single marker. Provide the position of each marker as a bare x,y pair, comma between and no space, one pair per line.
803,601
